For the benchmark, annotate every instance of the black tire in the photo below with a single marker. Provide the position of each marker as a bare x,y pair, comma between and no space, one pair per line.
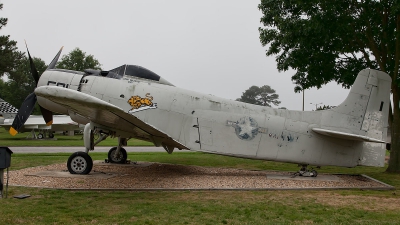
40,136
315,173
80,163
121,158
51,135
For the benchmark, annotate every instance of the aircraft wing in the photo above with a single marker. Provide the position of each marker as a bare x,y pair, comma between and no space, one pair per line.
347,136
105,114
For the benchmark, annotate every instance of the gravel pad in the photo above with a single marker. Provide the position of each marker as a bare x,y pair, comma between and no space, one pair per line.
156,176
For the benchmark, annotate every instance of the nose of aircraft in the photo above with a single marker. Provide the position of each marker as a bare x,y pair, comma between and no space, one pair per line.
29,103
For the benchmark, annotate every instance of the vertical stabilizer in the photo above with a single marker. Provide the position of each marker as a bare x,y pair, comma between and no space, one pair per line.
364,112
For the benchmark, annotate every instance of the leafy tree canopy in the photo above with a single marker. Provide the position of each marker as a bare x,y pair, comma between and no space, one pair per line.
324,107
78,60
9,55
3,21
21,83
326,40
264,95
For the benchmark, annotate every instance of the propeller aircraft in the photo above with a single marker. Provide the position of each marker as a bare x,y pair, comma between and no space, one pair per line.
133,102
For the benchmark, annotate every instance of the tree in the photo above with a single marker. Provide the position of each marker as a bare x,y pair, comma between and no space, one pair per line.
78,60
9,55
325,107
3,21
10,61
327,40
21,83
2,85
264,95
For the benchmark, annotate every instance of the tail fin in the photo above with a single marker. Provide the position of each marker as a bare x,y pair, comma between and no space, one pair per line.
363,115
7,110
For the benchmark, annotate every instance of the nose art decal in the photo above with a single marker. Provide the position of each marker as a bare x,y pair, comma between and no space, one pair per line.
139,104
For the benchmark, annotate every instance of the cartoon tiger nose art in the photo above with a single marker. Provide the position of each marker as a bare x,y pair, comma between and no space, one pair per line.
138,103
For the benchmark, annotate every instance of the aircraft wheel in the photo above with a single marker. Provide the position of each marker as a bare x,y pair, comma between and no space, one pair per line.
80,163
40,136
120,158
315,173
51,135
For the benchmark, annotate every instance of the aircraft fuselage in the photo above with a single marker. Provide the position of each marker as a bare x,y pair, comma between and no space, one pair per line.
211,124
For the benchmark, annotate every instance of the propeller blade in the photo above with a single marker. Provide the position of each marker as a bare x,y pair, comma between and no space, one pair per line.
53,63
23,113
47,116
29,103
34,71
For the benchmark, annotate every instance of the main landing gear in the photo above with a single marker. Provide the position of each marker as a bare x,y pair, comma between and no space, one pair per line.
115,156
305,172
82,163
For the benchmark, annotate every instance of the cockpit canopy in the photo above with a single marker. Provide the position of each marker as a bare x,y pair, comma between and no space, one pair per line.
139,72
136,71
128,72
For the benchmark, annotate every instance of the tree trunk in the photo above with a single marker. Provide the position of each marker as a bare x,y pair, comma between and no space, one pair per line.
394,161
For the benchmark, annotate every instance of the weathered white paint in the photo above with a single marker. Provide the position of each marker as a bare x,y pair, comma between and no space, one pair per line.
175,117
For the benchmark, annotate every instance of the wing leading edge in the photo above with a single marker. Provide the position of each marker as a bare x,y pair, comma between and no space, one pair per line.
106,114
347,136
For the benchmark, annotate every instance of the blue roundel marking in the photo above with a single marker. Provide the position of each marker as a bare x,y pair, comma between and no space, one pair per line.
246,128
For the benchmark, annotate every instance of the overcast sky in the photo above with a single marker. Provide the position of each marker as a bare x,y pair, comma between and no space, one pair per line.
207,46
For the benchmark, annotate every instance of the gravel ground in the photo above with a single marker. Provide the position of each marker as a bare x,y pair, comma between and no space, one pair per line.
167,176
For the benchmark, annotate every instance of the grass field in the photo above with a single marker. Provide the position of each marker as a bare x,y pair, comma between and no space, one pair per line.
200,207
62,140
203,207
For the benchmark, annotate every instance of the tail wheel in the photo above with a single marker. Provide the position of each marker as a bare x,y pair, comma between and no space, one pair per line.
80,163
117,158
315,173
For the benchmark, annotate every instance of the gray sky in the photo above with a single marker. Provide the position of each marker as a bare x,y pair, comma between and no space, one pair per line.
207,46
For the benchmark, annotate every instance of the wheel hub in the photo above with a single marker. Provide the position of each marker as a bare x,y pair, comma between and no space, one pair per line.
116,157
78,164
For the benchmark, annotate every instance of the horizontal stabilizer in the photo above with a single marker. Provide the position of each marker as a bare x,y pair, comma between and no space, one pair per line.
347,136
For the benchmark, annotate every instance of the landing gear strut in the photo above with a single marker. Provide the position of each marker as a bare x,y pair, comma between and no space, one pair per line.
81,162
305,172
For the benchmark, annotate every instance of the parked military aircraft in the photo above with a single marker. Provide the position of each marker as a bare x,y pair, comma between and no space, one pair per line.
133,102
36,123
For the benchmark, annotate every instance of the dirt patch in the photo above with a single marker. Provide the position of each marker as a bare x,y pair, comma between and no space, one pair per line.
367,203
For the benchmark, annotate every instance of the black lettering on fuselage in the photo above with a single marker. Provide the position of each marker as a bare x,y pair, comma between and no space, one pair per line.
58,84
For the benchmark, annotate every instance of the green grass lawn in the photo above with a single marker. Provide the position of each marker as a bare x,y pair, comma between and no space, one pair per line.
196,207
200,207
62,140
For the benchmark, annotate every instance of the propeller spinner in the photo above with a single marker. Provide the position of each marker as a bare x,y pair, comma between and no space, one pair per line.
29,103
